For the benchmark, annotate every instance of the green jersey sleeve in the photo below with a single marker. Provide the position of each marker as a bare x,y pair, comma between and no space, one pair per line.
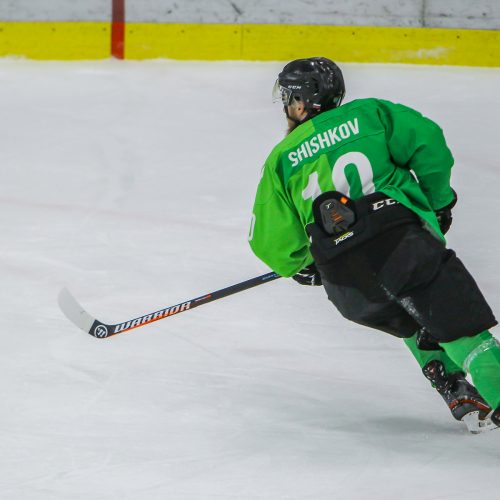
277,235
417,143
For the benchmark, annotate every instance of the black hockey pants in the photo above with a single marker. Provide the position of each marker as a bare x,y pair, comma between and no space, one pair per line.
404,279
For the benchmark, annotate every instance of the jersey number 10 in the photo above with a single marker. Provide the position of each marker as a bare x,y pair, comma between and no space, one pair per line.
339,178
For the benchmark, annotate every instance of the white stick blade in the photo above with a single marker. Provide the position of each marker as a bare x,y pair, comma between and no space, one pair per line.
74,311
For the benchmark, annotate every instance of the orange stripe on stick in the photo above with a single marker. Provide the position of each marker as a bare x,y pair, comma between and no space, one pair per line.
118,29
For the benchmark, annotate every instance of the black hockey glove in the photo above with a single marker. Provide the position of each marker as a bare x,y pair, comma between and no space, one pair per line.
308,276
444,216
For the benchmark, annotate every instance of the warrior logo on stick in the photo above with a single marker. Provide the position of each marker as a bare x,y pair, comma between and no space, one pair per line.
101,331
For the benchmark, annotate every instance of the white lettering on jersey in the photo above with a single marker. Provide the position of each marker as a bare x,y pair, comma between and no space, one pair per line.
317,143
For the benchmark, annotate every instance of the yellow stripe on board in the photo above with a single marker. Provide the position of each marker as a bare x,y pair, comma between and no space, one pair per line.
376,44
55,40
210,42
255,42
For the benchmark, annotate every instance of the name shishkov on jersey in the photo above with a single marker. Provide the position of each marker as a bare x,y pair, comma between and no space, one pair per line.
323,140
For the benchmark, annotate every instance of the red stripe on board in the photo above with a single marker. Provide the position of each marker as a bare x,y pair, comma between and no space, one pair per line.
118,29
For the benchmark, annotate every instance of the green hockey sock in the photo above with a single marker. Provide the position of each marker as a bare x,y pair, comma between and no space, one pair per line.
423,357
479,356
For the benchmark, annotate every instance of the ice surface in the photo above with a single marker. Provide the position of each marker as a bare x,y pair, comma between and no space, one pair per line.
132,184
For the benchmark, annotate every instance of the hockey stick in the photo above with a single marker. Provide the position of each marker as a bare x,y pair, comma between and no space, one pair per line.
83,320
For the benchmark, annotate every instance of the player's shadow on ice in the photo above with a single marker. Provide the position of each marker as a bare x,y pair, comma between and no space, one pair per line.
404,426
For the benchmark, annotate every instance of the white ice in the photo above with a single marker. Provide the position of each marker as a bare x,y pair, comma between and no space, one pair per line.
132,184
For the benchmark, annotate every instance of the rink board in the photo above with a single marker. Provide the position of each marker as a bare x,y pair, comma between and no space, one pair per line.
56,40
252,42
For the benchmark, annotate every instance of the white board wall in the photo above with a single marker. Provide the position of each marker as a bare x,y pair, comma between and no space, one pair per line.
479,14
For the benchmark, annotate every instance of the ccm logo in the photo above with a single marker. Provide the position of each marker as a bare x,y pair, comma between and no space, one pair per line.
383,203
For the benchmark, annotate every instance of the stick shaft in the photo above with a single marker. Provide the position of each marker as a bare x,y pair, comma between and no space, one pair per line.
81,318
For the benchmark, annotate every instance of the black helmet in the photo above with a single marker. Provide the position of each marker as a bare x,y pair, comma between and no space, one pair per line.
316,81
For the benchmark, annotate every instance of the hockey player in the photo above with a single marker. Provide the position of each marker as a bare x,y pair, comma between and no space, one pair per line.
357,198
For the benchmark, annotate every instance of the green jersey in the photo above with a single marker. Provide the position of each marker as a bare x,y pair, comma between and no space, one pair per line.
361,147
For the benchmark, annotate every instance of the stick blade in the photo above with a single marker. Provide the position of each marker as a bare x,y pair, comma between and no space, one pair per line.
74,311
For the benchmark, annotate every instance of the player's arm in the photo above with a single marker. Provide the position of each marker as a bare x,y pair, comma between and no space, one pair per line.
277,236
417,143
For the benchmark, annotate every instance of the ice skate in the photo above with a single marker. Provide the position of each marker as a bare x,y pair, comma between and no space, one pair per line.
475,424
462,398
495,417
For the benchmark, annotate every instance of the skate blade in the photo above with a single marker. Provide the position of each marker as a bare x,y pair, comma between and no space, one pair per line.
475,425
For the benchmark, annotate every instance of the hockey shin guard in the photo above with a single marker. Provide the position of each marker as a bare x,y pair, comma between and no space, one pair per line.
479,356
423,357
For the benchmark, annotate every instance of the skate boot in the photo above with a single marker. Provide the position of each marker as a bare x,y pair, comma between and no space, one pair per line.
462,398
495,417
